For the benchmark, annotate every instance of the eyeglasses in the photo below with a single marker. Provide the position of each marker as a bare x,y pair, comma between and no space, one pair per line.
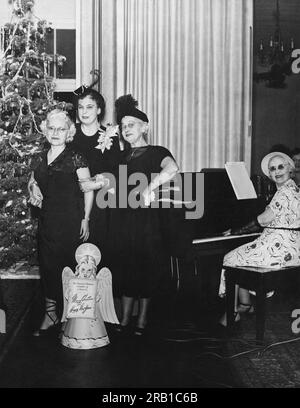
129,125
279,167
53,130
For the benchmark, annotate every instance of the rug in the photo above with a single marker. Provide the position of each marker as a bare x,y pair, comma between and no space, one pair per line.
275,364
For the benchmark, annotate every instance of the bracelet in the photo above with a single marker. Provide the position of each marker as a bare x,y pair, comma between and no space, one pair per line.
87,219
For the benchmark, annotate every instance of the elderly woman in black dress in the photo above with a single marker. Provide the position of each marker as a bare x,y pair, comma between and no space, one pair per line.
101,148
138,258
64,209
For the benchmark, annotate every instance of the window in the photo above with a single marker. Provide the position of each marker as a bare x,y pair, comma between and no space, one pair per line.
63,42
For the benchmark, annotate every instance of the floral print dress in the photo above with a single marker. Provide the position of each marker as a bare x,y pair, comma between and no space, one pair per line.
279,244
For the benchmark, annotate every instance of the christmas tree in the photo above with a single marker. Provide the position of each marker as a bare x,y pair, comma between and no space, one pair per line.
26,95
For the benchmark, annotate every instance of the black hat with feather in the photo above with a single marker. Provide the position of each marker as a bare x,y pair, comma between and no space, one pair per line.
126,105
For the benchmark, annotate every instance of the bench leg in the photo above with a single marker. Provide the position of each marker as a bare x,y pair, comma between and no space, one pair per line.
230,300
260,311
2,313
2,321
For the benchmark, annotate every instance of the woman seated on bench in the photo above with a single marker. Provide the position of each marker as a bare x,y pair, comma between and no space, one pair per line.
279,243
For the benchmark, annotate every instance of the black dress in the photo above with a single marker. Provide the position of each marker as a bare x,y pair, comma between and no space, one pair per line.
60,217
138,258
98,163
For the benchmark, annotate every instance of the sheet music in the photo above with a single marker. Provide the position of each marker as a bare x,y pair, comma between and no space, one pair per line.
240,180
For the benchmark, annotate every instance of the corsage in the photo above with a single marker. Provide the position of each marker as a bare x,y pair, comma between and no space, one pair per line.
105,137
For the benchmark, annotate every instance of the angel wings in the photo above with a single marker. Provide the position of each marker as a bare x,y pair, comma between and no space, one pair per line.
88,297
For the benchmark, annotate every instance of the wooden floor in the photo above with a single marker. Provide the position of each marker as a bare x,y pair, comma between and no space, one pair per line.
183,349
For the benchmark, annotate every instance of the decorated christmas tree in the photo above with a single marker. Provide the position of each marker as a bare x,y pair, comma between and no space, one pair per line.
26,95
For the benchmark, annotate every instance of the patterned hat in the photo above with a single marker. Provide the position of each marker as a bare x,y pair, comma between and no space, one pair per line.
88,249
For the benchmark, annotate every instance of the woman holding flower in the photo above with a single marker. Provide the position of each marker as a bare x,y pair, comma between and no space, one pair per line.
101,148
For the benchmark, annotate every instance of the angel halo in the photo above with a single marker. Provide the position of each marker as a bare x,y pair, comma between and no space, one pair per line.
88,301
88,250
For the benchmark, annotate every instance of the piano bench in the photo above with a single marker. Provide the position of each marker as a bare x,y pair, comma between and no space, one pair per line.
261,280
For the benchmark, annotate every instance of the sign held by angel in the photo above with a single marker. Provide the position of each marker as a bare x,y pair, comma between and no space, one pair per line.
88,301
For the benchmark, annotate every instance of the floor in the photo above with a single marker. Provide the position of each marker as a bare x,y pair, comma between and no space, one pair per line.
183,349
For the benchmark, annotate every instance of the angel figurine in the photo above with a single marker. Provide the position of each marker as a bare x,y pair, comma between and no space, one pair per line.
88,301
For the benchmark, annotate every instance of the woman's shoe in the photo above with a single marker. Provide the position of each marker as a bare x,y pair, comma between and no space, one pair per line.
246,308
139,331
119,328
53,328
223,320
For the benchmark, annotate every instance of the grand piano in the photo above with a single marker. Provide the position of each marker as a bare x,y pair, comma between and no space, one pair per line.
222,211
197,246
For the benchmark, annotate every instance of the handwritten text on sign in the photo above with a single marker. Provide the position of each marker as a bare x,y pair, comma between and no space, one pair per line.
82,298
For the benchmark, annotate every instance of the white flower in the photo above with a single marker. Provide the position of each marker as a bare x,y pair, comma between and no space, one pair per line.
105,138
9,203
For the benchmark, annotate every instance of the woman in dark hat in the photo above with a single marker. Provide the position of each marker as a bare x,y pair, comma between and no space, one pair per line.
138,257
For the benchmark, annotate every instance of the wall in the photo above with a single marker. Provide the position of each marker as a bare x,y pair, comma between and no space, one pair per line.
276,118
276,112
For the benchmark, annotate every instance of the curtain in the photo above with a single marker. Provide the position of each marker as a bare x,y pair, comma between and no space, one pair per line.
88,47
188,63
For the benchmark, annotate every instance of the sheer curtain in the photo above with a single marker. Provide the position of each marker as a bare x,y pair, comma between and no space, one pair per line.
188,62
88,47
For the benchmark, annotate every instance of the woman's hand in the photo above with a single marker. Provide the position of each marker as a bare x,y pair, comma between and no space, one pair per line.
36,196
87,185
84,229
148,197
226,233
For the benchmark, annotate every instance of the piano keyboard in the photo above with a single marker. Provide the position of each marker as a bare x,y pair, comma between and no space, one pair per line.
222,238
